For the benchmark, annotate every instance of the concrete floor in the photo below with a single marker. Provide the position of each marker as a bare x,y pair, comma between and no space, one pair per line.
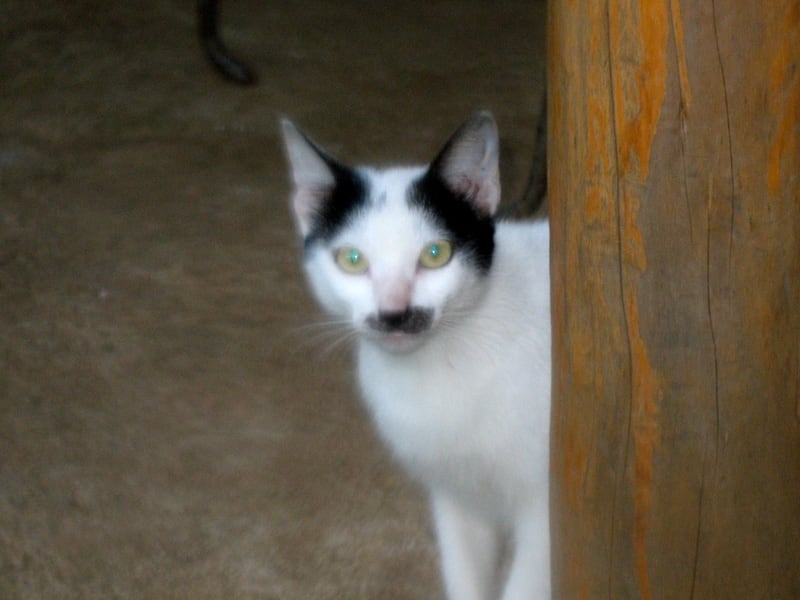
167,427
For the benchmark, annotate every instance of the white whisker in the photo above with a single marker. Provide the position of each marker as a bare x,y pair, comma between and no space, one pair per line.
324,336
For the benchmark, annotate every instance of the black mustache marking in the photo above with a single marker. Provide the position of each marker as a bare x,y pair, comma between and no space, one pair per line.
411,321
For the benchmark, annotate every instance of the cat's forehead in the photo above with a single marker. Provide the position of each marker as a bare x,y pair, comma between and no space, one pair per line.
390,187
389,194
387,213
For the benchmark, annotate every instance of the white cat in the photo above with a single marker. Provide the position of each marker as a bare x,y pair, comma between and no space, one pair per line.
452,315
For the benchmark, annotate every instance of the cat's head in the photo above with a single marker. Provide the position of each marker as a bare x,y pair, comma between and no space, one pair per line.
397,252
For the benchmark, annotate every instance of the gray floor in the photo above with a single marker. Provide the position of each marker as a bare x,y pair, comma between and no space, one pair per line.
167,427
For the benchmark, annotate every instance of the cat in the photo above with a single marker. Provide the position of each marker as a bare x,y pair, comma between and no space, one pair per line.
451,312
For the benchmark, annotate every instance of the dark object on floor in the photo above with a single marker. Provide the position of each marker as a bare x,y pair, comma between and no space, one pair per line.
227,65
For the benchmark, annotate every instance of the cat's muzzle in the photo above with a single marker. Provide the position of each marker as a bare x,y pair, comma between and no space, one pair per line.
410,321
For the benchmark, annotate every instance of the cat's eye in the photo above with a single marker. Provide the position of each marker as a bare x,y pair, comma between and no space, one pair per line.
351,260
436,254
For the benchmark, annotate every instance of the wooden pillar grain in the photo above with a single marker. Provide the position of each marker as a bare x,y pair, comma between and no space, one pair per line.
674,182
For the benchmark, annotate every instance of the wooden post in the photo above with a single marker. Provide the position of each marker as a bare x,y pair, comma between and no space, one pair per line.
674,168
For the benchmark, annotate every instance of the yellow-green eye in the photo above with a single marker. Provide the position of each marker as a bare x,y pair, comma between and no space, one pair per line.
436,254
351,260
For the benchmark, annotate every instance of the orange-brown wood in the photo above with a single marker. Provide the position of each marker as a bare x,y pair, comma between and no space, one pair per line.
674,182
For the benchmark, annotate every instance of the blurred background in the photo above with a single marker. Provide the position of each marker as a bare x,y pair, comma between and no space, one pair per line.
168,426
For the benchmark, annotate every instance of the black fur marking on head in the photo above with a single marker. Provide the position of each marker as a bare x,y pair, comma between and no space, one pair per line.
472,233
347,197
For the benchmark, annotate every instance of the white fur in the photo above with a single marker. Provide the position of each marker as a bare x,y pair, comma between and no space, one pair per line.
464,405
468,413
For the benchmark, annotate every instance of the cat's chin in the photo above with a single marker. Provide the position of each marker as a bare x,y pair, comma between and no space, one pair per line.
398,342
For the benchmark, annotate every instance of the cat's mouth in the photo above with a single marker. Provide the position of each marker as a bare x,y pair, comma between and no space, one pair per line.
400,330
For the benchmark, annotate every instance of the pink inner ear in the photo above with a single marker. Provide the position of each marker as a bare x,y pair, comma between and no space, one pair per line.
469,164
305,203
484,194
469,187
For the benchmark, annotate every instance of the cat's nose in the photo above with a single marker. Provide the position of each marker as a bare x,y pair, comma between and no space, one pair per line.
393,296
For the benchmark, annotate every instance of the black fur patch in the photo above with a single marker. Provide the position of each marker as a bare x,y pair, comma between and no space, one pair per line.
412,320
472,233
347,197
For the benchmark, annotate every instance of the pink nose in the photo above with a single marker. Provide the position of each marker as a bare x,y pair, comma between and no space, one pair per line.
394,296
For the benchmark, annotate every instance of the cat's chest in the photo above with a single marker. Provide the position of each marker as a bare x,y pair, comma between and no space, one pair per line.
459,426
448,409
435,397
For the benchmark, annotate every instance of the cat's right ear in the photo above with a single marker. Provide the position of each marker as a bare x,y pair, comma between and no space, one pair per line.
468,163
311,174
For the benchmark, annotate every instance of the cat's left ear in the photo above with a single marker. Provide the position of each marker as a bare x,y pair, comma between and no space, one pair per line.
312,175
469,163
